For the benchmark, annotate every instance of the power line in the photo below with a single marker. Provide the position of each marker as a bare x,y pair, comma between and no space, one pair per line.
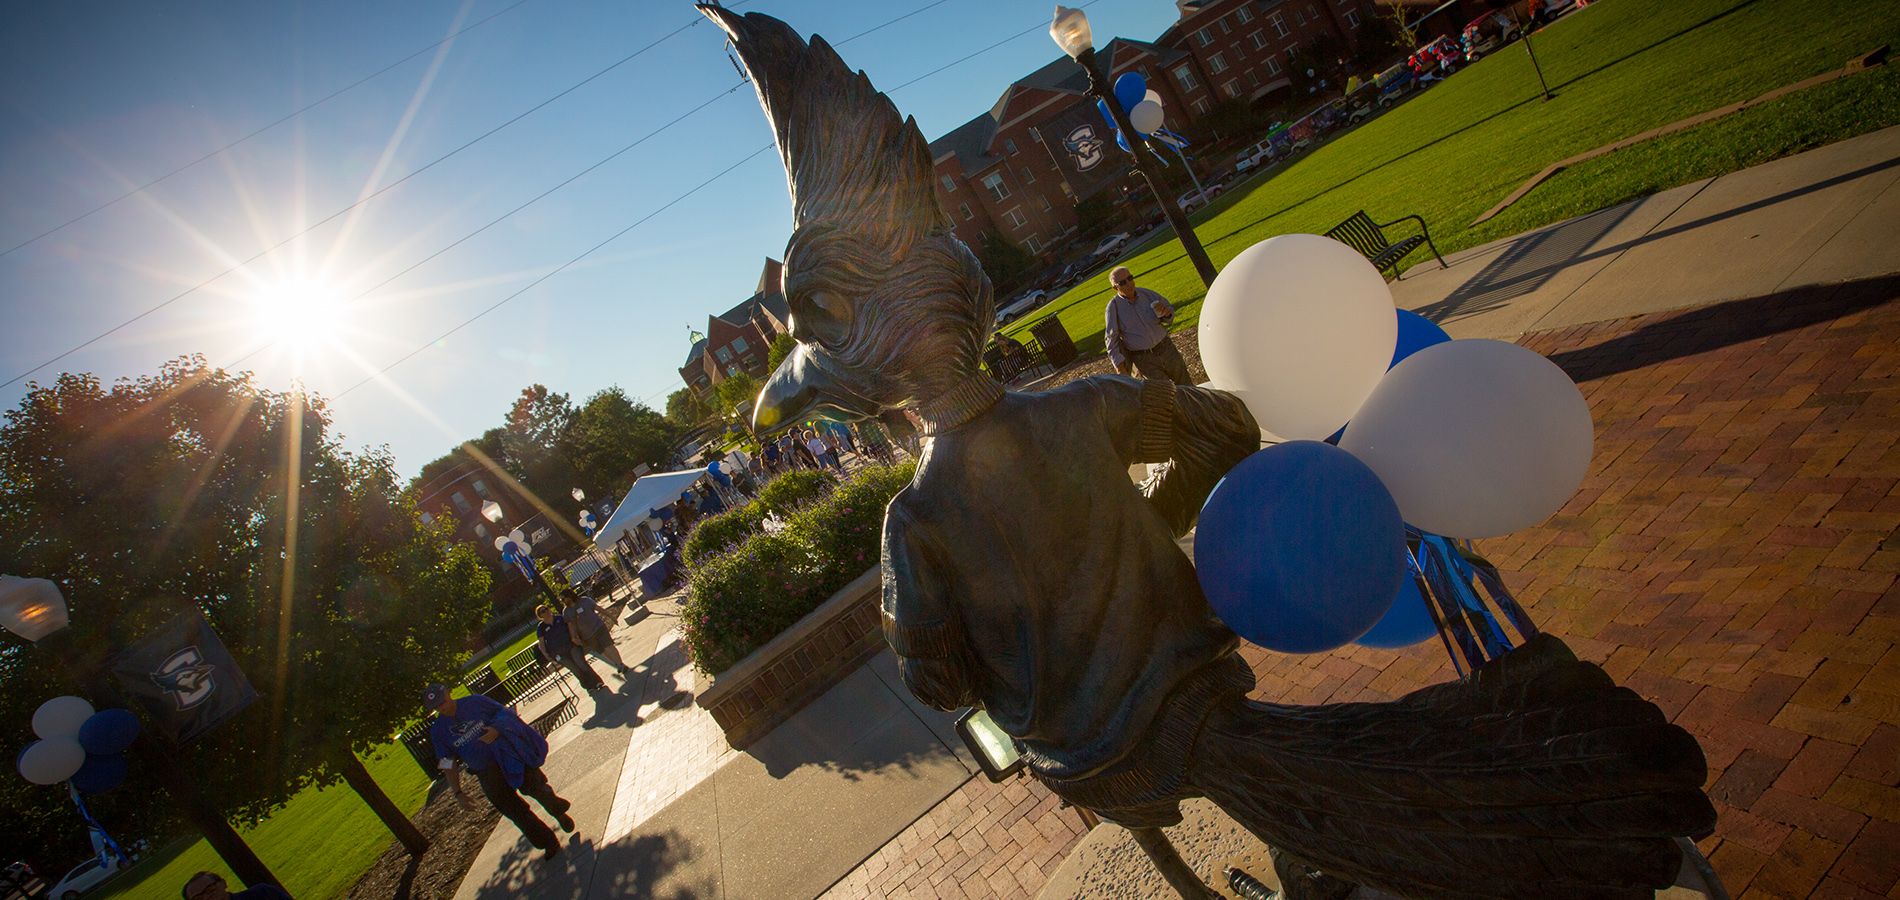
967,58
557,270
333,216
891,22
331,96
537,198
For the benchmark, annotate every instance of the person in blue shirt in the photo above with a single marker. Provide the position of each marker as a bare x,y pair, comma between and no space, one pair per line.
506,755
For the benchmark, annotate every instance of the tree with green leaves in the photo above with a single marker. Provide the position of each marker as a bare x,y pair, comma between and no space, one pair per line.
196,489
685,409
1006,262
611,434
736,389
782,347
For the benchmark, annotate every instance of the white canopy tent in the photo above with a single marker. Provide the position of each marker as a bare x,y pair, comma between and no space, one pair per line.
648,492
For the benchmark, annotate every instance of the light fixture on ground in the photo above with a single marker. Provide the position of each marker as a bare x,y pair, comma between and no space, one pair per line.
1071,32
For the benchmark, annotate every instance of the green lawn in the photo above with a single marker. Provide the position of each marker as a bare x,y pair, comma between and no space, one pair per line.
318,844
1618,68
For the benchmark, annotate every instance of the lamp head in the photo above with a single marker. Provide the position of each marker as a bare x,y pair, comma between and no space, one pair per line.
31,607
492,512
1071,32
579,495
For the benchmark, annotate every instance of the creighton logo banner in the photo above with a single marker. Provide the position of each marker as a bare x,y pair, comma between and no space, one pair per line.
183,678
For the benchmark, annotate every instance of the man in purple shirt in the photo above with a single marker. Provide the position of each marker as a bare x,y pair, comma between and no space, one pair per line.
1137,338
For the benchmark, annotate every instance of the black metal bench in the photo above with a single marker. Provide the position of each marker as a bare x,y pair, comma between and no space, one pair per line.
1368,237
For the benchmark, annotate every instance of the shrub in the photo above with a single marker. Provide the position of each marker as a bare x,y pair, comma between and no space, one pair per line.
717,534
793,489
740,599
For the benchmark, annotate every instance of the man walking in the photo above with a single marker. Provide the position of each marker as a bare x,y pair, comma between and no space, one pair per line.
506,756
1138,331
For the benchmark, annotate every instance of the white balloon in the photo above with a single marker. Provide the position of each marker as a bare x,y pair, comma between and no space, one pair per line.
501,542
52,761
1145,117
61,717
1301,327
1475,438
517,536
1156,97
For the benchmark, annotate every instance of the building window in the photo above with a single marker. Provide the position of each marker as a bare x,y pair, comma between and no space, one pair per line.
1243,15
461,503
1009,146
1259,40
965,209
428,518
732,371
750,362
480,488
1352,18
1298,19
724,354
1046,205
994,182
1015,217
1217,64
1203,37
1201,106
1312,12
1185,76
1226,28
949,184
738,345
1030,242
1253,78
481,531
1278,22
1232,88
1028,176
1273,66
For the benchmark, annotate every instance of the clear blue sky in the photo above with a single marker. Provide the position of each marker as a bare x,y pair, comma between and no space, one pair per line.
101,97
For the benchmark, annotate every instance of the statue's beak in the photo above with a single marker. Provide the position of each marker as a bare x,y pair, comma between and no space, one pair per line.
803,388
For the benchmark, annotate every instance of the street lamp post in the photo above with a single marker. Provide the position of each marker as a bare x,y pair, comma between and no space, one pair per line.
1071,32
35,610
514,548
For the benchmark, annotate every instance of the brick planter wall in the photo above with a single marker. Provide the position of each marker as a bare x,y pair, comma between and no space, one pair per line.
777,680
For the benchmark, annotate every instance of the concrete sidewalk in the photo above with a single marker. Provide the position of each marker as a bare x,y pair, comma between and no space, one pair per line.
666,809
1829,215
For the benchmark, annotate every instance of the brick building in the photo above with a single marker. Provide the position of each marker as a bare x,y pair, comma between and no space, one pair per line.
459,494
1019,169
739,339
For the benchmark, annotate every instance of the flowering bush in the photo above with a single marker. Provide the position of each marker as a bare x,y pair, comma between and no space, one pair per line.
739,599
780,497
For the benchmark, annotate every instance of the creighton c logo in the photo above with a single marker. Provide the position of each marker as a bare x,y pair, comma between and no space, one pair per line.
1084,146
186,678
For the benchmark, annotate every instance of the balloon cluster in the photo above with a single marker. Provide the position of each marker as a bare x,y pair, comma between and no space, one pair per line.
78,745
1301,548
1144,110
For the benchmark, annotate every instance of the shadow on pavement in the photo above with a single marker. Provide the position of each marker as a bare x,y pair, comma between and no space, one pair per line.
650,865
650,681
1723,324
1528,265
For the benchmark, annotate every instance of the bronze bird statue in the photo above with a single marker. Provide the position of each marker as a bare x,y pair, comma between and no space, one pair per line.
1024,573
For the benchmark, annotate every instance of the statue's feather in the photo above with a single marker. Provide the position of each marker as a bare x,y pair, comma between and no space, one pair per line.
851,160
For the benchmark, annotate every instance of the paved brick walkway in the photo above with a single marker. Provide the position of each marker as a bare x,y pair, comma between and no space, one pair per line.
1732,557
985,840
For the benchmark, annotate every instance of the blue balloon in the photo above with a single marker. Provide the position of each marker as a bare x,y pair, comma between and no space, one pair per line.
712,468
101,773
1131,89
108,731
1415,333
1300,548
1405,624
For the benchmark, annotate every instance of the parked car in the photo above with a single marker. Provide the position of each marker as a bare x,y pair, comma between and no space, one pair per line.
1020,305
85,877
1110,244
1195,199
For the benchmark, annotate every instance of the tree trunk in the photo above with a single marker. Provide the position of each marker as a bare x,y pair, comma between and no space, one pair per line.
372,794
211,823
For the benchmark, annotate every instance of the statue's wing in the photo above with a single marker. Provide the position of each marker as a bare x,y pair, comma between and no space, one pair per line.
850,158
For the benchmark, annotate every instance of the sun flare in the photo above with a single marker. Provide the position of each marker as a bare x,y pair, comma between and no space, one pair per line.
299,314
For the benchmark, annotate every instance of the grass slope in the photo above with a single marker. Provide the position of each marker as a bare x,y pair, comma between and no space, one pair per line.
318,844
1618,68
